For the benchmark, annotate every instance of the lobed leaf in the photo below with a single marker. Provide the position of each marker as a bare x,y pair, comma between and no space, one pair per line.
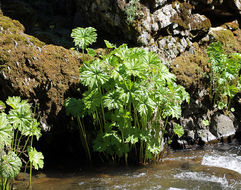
6,131
36,158
84,36
10,165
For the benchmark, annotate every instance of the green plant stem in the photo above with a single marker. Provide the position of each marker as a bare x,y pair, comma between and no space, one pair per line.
31,166
166,122
19,140
229,102
26,142
102,108
211,84
141,151
25,169
83,137
98,120
83,54
15,141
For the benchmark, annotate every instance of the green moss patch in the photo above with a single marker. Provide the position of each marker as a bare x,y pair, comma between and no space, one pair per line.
190,67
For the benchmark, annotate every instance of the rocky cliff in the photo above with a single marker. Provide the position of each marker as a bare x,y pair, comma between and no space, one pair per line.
45,72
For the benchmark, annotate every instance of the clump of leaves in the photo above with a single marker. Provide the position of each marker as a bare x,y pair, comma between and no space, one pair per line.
18,127
132,11
129,93
83,37
224,75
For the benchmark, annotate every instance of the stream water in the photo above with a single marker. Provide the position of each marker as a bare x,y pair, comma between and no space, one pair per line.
213,167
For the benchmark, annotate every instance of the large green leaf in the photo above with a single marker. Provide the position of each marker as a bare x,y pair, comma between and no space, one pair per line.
20,118
10,165
92,100
74,107
92,76
112,100
14,102
84,36
33,129
36,158
178,130
6,131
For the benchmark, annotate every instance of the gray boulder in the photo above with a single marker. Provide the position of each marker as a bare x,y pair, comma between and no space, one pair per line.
222,126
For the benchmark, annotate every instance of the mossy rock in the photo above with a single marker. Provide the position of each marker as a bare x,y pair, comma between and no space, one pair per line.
190,69
231,43
36,71
10,25
185,19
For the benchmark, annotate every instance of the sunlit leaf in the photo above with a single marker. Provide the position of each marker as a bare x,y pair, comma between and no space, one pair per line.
93,76
112,100
6,131
33,130
2,105
178,130
109,45
91,52
10,165
36,158
14,102
20,118
205,122
84,36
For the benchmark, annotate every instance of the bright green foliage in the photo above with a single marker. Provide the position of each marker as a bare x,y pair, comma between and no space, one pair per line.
178,130
109,45
83,37
224,75
36,158
91,52
17,129
129,92
2,105
10,165
6,132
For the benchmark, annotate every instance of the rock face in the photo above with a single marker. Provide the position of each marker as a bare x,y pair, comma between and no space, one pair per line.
168,28
44,74
178,31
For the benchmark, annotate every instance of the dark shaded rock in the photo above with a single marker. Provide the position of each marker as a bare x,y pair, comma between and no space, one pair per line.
43,19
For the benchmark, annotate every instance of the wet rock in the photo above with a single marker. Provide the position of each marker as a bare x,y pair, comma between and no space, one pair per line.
206,136
222,126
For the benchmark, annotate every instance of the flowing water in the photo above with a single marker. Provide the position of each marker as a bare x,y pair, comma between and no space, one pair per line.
215,167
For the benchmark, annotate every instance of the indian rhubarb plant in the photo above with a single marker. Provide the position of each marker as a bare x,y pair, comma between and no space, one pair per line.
224,75
18,128
83,37
130,97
